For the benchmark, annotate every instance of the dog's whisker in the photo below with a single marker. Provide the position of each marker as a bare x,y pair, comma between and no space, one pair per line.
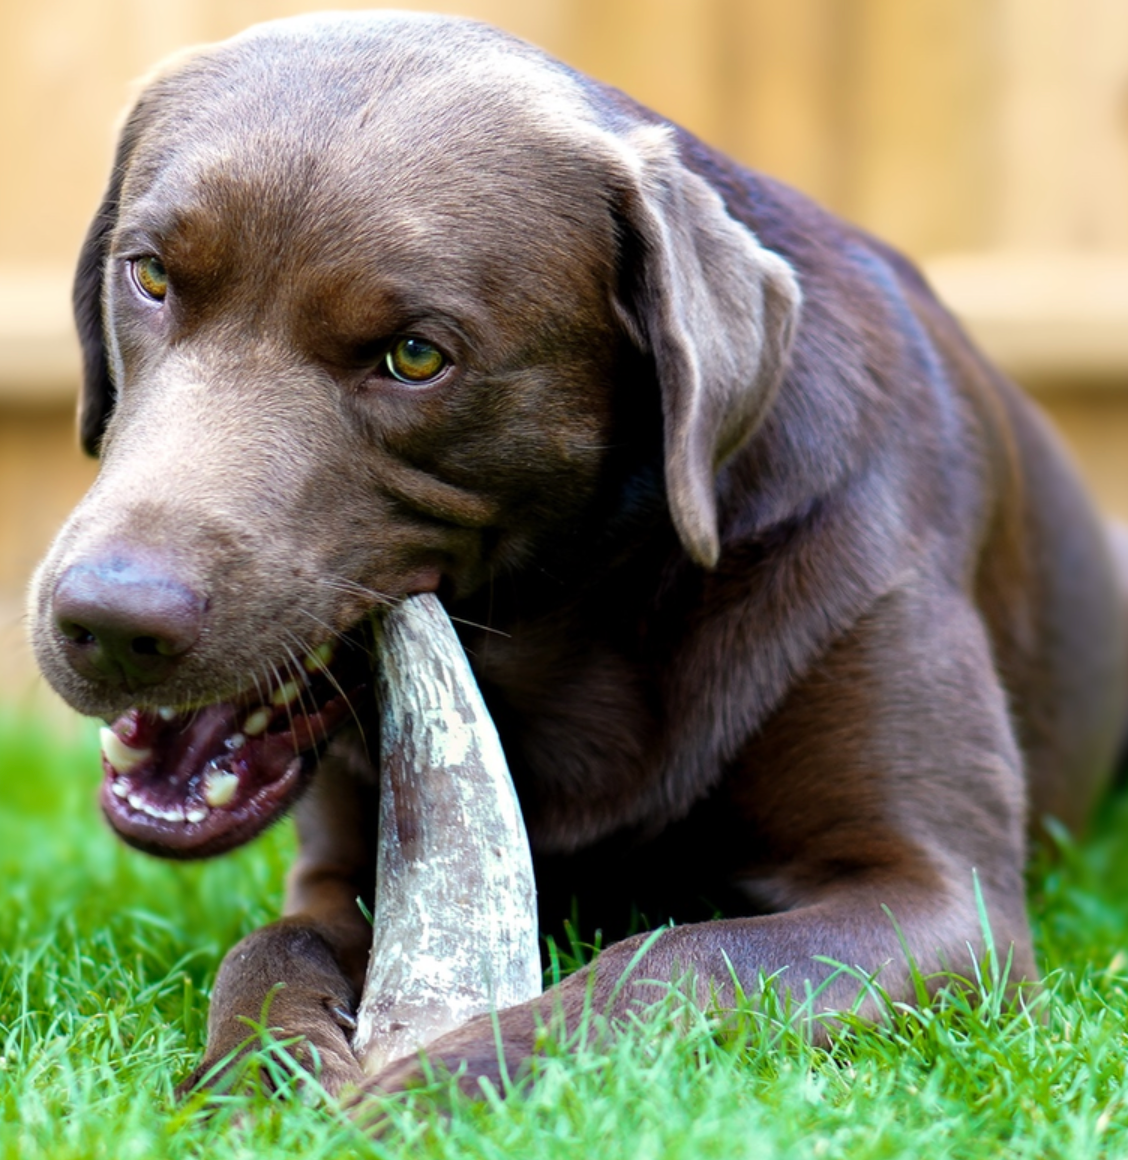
298,641
344,584
311,714
297,676
353,587
280,685
305,651
263,697
334,633
330,676
481,627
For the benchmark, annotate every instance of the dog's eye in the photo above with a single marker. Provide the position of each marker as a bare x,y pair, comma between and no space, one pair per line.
151,277
413,360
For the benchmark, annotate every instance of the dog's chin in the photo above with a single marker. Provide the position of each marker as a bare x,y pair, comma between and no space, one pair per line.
202,781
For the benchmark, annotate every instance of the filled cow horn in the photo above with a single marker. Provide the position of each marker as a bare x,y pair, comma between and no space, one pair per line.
455,921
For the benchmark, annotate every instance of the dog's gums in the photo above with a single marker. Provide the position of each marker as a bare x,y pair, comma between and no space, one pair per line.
196,783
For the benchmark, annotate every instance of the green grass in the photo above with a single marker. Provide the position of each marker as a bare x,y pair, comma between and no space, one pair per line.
106,958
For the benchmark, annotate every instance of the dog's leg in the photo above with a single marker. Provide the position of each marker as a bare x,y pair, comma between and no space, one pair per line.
848,927
889,779
301,976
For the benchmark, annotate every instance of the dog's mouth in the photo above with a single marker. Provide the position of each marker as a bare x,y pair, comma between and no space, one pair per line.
196,783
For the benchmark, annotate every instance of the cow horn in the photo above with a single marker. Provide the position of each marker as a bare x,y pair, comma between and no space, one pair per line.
455,920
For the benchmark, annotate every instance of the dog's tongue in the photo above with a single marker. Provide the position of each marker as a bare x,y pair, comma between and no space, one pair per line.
189,785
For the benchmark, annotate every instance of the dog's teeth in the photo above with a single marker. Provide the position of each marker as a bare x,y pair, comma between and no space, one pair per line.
166,713
286,694
320,657
119,788
235,741
219,787
121,757
195,815
152,810
257,722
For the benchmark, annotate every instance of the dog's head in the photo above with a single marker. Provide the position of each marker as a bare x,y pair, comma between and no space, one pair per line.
375,304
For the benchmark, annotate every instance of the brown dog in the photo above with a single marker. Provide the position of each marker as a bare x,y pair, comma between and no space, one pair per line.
792,609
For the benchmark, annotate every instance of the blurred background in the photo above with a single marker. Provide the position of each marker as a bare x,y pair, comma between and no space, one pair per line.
987,138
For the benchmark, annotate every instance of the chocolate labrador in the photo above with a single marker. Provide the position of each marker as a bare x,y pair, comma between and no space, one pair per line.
789,610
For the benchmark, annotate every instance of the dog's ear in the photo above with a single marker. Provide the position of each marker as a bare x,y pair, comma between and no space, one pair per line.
715,310
96,397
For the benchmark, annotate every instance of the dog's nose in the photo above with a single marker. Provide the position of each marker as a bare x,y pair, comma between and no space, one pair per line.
126,619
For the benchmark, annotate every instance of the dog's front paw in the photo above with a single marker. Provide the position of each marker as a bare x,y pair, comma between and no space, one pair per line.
282,1012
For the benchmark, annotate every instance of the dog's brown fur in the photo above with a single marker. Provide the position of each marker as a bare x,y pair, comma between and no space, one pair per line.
794,610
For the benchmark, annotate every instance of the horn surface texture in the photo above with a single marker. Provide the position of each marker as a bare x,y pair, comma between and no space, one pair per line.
455,919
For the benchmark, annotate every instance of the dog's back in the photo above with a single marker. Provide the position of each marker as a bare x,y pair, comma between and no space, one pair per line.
992,479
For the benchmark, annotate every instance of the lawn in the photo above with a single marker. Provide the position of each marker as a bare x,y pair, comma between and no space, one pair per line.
106,958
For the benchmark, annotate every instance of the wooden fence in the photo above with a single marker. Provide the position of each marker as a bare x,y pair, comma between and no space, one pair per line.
988,138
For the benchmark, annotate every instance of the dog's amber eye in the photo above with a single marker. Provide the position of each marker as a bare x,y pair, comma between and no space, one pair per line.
151,277
412,360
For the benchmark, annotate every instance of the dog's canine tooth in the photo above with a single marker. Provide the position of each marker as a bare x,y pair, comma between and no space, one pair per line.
195,815
320,657
257,722
119,788
122,758
166,712
286,694
219,787
235,741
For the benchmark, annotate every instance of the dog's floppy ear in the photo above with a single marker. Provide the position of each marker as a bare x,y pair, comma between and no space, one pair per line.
96,398
716,310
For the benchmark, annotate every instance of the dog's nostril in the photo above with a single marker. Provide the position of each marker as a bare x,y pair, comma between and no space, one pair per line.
76,633
146,646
